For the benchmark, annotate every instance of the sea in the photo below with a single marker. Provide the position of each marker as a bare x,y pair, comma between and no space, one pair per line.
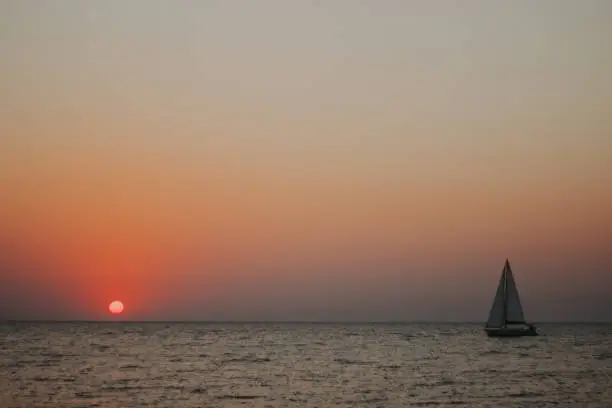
96,364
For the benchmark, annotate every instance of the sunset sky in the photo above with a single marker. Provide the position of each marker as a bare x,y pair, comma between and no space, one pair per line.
304,160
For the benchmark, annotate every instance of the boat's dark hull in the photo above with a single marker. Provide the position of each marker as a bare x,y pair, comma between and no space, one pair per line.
511,332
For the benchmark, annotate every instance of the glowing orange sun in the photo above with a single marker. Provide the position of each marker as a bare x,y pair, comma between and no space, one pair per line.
115,307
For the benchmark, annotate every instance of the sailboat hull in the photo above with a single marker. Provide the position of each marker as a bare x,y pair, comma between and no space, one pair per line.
511,332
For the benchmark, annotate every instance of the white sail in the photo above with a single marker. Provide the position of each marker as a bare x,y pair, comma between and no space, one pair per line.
497,316
514,310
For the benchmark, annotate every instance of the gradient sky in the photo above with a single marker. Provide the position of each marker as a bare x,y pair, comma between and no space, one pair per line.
318,160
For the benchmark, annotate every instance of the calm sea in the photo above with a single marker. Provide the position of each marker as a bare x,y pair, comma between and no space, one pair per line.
301,365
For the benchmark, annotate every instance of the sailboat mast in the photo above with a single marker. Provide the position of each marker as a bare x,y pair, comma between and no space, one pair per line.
505,272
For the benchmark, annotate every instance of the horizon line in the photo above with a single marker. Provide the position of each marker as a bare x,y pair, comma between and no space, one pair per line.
317,322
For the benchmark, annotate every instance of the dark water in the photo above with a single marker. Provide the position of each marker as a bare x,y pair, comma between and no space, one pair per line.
301,365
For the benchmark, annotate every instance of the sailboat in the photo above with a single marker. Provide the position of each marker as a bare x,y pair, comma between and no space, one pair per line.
506,317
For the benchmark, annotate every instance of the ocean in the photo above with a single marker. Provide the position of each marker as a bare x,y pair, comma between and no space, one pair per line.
78,364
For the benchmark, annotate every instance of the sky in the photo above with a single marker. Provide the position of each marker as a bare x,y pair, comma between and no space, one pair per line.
304,160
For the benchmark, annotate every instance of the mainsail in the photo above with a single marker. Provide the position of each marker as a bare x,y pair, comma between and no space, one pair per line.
506,307
514,310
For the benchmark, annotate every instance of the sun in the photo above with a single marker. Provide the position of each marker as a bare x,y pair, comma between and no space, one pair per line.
115,307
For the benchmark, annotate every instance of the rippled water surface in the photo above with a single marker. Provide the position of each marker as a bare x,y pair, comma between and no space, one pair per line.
301,365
